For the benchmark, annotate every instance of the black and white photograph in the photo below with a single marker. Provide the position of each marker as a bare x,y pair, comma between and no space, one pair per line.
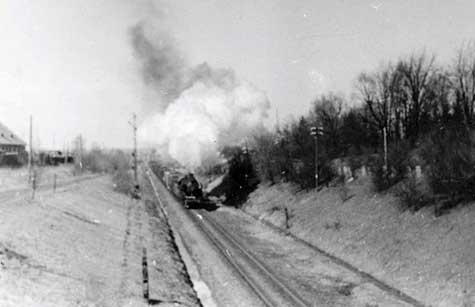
252,153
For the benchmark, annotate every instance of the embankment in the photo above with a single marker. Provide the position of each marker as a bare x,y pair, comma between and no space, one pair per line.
427,257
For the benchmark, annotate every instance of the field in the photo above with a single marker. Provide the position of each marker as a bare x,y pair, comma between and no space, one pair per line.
84,246
18,178
427,257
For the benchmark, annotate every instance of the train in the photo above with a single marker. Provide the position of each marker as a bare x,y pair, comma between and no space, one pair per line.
183,185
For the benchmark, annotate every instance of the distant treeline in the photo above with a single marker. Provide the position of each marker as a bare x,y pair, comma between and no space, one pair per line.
426,110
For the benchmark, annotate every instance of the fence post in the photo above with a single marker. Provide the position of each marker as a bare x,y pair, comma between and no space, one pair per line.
33,185
146,286
54,184
286,217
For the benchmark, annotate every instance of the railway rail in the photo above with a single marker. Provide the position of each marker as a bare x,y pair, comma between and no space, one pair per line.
271,290
267,285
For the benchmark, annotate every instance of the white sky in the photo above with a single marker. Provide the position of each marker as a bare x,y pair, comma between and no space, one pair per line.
70,63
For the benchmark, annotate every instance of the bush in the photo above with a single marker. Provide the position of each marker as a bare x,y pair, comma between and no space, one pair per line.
325,172
114,162
412,196
264,156
101,161
342,189
241,179
398,165
450,152
96,161
355,162
12,161
123,181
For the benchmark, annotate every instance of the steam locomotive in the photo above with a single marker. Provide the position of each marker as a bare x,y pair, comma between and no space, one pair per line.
183,185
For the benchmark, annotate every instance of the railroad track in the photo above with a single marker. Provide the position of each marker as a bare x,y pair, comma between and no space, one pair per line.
270,289
267,286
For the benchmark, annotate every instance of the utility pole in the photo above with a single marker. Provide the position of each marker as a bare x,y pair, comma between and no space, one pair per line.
80,152
385,136
65,152
30,154
316,161
315,131
133,123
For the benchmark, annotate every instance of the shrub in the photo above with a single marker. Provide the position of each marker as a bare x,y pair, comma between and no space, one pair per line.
123,181
96,161
342,188
412,196
241,179
355,162
325,172
263,156
397,168
12,161
450,152
114,162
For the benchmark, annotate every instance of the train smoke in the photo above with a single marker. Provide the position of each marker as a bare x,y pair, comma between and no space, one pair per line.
204,109
162,65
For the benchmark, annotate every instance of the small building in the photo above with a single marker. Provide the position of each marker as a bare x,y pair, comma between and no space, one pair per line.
12,148
54,157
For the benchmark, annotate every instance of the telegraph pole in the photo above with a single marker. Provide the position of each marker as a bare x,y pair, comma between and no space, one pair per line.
65,152
133,123
385,141
316,161
80,152
315,131
30,154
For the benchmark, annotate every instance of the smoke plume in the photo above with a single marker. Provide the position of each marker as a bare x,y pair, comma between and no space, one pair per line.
162,65
204,108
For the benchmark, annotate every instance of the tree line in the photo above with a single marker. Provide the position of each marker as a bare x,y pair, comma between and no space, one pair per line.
425,110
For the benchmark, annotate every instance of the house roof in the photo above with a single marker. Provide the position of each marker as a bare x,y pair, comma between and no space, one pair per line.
9,138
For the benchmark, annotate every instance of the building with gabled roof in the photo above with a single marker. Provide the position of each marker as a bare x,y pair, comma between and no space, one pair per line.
10,143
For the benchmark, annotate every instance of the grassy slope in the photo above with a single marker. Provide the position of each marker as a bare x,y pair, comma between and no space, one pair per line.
427,257
83,246
18,178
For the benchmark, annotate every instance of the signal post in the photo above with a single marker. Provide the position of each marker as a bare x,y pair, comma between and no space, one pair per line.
316,131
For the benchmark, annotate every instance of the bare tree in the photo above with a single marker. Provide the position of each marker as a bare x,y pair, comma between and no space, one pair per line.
263,156
367,88
416,73
463,81
381,93
440,95
327,113
327,110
